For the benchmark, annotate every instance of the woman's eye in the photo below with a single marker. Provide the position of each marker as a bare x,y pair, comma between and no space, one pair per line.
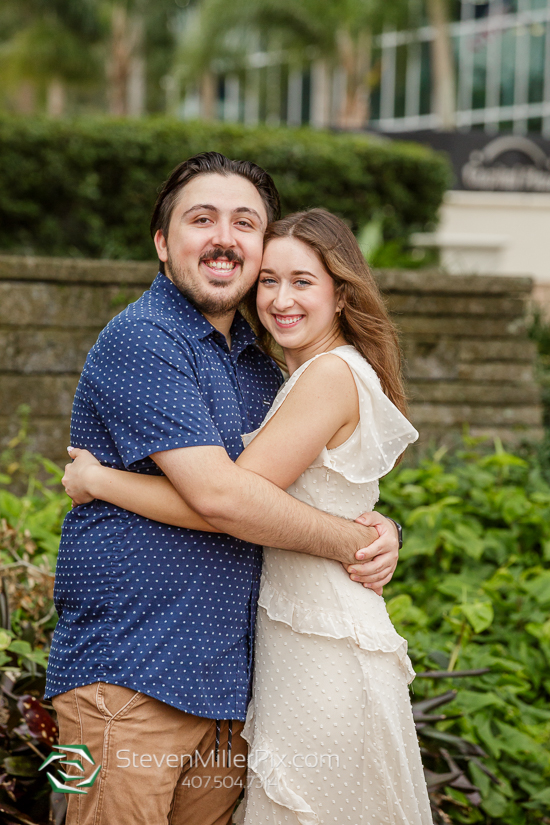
202,220
267,281
246,224
303,282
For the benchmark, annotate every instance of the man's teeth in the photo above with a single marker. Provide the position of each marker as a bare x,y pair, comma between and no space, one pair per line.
223,266
288,319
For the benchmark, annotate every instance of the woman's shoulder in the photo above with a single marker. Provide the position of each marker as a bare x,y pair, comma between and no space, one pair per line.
356,363
327,370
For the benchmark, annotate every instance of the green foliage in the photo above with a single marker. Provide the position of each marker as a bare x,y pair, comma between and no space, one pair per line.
539,332
87,187
471,591
30,528
33,505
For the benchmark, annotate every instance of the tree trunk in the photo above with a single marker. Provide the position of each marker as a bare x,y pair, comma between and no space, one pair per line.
25,101
136,73
126,69
320,98
443,71
354,55
56,98
208,96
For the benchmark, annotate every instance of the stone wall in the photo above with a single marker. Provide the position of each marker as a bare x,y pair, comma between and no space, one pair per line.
468,360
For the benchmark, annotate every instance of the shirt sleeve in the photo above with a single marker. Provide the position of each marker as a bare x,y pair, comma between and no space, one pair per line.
146,391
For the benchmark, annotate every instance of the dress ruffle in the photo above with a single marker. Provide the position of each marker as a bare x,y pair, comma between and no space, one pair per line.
314,621
383,432
264,763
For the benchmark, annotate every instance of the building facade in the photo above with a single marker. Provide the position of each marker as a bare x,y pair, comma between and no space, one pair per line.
501,55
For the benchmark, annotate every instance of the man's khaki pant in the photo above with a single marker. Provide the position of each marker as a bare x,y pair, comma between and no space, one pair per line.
157,762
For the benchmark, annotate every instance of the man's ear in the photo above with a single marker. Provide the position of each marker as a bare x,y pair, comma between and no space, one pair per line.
161,246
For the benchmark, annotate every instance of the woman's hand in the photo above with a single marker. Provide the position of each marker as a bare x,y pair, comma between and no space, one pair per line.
381,556
77,475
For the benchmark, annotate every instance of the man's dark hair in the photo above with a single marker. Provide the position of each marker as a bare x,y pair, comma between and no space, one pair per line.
212,163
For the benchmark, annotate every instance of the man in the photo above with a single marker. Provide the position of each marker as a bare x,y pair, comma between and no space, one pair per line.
154,642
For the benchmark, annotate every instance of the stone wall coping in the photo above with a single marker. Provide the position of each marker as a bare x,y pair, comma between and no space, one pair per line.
437,282
142,273
77,270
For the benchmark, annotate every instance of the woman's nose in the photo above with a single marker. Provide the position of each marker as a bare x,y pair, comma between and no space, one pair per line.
283,299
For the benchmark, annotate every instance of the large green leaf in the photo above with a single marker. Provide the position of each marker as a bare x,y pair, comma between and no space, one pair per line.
479,614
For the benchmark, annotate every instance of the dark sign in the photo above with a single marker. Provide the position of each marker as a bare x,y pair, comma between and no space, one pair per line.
491,163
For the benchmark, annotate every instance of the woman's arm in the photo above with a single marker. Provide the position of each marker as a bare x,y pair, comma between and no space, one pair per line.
322,408
151,496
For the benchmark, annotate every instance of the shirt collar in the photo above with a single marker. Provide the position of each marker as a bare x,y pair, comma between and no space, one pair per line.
196,324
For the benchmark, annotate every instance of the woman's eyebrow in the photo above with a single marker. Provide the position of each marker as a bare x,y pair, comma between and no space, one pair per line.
294,272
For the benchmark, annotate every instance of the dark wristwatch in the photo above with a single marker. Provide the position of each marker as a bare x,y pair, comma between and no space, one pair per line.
399,532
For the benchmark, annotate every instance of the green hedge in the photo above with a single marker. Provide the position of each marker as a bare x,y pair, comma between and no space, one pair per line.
87,187
472,590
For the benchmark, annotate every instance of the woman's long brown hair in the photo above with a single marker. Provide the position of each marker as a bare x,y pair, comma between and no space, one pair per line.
364,322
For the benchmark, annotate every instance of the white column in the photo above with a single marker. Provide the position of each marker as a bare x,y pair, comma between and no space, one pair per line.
338,94
387,83
546,96
521,85
494,50
231,102
252,98
412,87
273,115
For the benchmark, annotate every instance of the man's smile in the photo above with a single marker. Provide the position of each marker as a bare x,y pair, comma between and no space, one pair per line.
221,268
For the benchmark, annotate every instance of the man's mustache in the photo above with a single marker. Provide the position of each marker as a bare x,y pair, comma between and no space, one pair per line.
214,254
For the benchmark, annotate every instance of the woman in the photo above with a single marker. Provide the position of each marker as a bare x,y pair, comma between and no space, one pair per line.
330,726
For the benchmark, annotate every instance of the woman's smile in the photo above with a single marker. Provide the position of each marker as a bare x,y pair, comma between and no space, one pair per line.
288,321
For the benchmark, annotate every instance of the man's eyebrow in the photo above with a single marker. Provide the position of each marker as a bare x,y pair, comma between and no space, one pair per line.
247,210
207,207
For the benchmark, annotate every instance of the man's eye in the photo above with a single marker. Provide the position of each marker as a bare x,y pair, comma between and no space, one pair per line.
202,220
245,223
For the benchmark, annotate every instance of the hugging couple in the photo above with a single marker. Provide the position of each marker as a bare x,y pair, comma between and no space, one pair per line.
160,586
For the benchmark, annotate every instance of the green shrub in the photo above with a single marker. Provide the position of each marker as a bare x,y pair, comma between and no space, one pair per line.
471,591
30,528
87,187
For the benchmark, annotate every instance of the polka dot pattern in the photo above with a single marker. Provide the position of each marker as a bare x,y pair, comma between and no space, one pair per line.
330,727
159,609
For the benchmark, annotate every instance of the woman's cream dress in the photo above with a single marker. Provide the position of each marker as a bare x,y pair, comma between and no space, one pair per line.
330,727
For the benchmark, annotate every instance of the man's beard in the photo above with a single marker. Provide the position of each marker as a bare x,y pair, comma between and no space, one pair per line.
213,305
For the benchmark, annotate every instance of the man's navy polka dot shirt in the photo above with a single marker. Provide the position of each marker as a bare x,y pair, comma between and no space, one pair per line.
163,610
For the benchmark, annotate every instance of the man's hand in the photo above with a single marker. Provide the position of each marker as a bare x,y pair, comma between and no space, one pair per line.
382,555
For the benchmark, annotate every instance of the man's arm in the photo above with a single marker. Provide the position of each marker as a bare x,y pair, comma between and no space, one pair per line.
246,505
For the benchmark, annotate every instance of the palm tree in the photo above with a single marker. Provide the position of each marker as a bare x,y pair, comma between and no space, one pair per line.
335,34
47,46
443,70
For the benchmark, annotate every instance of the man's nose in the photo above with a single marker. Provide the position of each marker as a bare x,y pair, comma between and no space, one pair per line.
223,235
